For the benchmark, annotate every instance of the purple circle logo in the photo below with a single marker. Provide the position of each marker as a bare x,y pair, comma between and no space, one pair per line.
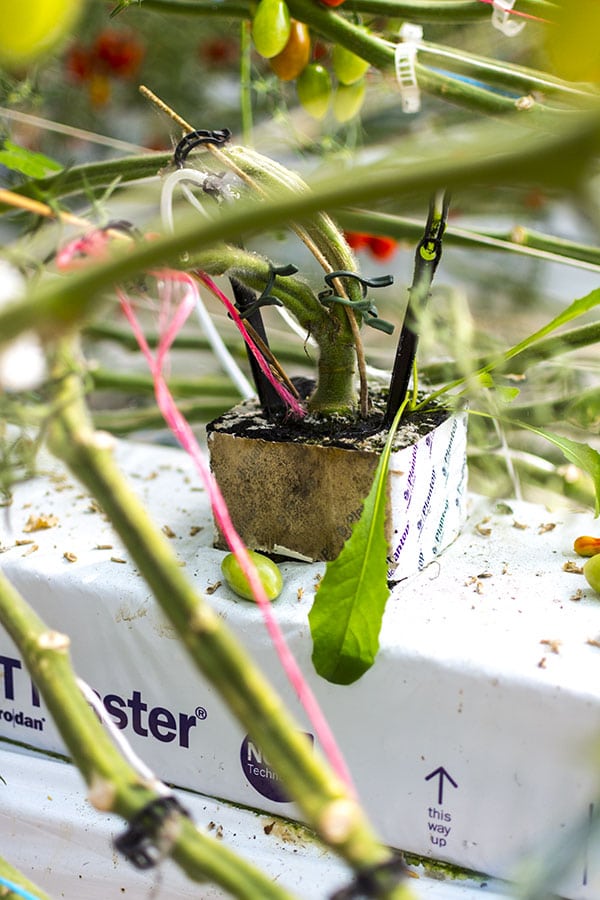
259,773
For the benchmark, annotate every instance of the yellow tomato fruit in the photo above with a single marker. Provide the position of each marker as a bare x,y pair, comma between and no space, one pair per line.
31,28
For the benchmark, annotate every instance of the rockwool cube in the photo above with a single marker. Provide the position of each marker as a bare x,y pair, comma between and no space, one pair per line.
473,739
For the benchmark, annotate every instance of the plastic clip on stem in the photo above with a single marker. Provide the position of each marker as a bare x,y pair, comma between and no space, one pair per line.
502,20
405,55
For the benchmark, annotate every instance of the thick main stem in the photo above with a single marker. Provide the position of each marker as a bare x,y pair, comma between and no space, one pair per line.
321,796
114,785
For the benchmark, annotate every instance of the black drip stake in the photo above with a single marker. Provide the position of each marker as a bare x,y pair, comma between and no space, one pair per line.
245,299
427,257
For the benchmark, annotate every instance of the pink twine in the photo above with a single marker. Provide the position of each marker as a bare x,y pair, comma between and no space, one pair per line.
77,253
173,315
184,434
281,389
516,12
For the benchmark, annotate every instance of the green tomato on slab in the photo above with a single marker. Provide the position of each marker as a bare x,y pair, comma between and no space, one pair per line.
591,570
268,572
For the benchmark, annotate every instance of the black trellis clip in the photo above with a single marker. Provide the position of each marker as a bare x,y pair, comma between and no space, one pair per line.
376,881
142,843
267,298
125,226
365,307
195,139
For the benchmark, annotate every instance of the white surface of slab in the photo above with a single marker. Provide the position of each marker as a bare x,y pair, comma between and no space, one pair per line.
50,832
474,737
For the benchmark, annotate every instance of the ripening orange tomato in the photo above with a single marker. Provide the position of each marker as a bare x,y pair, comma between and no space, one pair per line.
586,545
294,57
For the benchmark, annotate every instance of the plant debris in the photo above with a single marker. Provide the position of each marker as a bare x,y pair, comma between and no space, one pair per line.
40,522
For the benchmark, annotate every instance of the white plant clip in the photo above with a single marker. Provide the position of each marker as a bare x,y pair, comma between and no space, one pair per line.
404,61
502,19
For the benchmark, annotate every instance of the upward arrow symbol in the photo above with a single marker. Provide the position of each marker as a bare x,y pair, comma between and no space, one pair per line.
441,773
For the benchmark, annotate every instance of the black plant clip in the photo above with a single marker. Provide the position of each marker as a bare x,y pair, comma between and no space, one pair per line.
143,842
267,298
195,139
365,307
125,226
376,881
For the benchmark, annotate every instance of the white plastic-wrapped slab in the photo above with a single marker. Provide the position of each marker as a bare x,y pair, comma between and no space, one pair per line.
474,737
61,843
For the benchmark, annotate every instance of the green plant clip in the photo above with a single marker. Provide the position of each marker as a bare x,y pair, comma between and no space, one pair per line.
365,307
267,298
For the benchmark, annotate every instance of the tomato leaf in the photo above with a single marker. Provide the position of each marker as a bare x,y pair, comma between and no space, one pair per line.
582,455
26,162
576,308
345,619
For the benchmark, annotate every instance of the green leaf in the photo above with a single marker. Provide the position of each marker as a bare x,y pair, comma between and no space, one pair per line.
584,456
507,394
576,308
345,619
27,162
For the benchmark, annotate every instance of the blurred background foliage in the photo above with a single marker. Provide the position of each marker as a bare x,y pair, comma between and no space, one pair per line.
82,104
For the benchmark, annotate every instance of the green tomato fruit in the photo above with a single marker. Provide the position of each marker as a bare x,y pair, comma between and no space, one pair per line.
271,27
314,90
270,576
591,570
31,28
348,100
348,67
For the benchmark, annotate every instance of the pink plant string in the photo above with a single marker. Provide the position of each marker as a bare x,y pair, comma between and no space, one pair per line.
516,12
283,392
178,294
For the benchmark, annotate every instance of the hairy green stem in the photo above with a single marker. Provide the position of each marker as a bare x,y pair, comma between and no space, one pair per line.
380,53
133,382
448,11
17,878
492,155
518,239
543,350
89,176
124,421
246,81
319,793
114,785
104,331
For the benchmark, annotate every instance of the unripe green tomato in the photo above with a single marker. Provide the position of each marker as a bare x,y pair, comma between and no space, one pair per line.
30,28
348,100
271,27
294,57
270,576
591,570
314,90
347,66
